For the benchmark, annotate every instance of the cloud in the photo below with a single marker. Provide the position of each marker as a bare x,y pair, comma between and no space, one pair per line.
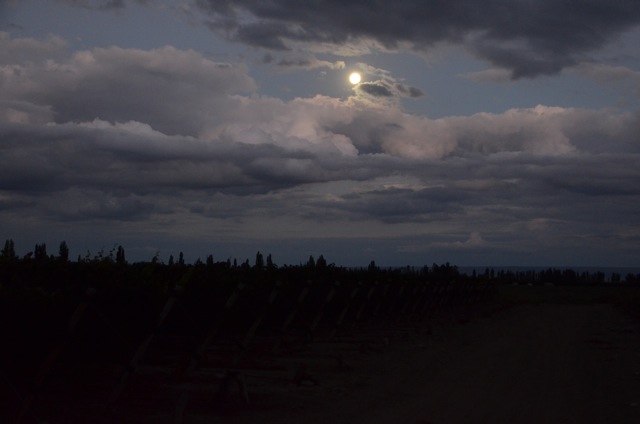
306,62
167,143
180,93
386,90
103,5
474,242
527,38
375,89
25,112
546,130
324,141
172,90
97,4
409,91
489,75
283,186
607,74
21,51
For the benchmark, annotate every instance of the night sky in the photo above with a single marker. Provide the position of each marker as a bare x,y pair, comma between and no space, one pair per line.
497,132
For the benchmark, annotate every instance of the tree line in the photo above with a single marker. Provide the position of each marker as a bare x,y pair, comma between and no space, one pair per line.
314,266
39,253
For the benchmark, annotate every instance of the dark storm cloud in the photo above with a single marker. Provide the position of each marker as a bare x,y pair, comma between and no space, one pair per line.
529,38
409,91
375,89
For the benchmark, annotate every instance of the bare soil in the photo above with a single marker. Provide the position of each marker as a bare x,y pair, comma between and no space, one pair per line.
536,356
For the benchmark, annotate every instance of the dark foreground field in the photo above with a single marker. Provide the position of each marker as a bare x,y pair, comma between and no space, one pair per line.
533,355
526,354
554,356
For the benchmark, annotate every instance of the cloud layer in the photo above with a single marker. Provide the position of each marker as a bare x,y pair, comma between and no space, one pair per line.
168,142
529,38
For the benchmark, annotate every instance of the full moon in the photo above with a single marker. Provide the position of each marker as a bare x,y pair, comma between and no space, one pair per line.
354,78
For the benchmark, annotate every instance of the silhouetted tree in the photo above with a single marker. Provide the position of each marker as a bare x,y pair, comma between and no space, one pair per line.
40,252
171,261
63,252
181,259
210,260
448,272
321,263
259,261
120,259
372,266
9,251
311,263
270,264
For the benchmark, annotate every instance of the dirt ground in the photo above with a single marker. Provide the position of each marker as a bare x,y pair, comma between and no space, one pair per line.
557,361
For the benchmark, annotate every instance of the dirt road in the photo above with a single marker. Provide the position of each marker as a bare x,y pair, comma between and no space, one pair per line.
531,363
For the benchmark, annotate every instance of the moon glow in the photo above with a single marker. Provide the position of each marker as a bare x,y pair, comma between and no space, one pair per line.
354,78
